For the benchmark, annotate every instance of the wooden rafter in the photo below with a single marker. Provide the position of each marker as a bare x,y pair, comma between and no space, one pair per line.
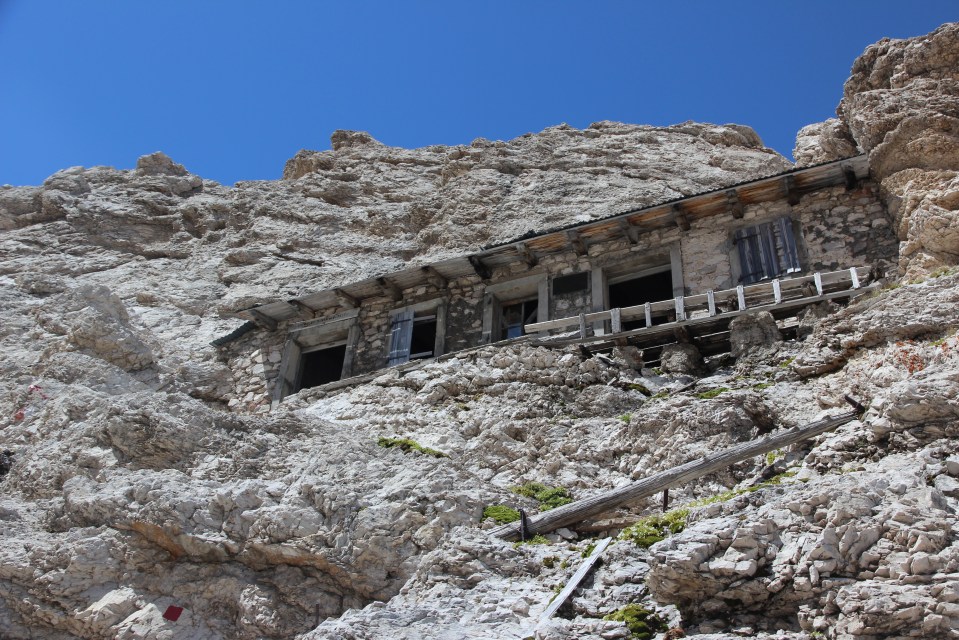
435,278
263,320
346,299
790,191
849,175
576,241
482,270
679,216
390,289
526,255
301,306
734,203
629,231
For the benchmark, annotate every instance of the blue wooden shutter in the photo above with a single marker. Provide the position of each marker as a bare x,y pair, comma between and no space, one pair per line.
401,331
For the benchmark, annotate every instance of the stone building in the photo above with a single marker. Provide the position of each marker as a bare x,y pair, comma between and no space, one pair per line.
819,218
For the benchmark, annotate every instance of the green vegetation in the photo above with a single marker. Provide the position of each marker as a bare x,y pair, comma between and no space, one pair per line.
549,561
548,497
501,513
642,623
625,418
537,539
762,385
639,387
651,529
662,394
785,363
405,444
732,493
588,550
772,456
712,393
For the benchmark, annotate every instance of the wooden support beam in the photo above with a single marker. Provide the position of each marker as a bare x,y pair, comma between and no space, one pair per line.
526,255
679,216
435,278
263,320
300,306
849,176
631,493
790,191
582,325
734,203
680,308
390,289
711,302
854,276
482,270
576,241
648,308
777,292
817,278
616,320
346,299
741,297
631,233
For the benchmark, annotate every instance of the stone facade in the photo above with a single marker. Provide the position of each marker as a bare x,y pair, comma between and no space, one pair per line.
835,228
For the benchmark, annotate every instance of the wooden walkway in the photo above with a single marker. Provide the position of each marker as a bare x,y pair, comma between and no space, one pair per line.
704,314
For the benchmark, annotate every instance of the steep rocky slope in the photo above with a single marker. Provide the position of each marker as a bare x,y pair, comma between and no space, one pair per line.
128,488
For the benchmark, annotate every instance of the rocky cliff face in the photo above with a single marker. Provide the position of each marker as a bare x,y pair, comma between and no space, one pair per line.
127,488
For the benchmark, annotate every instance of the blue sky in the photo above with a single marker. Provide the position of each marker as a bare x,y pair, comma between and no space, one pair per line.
234,89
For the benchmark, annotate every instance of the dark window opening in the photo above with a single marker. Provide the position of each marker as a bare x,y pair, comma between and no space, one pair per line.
514,317
321,366
571,283
631,293
423,338
767,251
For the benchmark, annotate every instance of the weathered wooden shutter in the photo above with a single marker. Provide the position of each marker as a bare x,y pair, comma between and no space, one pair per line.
790,254
750,254
401,331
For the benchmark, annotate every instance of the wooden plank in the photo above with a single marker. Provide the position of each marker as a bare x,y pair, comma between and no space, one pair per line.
818,280
607,501
711,297
680,309
582,325
777,292
854,277
265,321
616,321
584,568
648,308
741,296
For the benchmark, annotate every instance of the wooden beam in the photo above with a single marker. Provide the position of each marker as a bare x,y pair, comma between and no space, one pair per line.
482,270
346,299
679,217
574,581
734,203
526,255
390,289
263,320
631,493
628,230
435,278
789,190
300,306
576,241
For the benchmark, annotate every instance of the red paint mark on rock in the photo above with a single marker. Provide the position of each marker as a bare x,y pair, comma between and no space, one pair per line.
18,415
173,613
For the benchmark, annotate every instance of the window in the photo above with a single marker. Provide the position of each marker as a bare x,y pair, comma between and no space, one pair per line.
415,333
514,316
766,250
571,283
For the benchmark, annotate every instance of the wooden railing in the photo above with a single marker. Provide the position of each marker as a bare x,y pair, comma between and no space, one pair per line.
793,292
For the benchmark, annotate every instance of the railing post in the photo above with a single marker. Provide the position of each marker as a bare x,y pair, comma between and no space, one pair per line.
649,314
615,320
855,277
777,291
742,297
582,325
818,279
711,301
680,308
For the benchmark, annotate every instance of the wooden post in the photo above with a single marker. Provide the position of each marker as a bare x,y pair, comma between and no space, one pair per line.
630,493
582,325
649,314
711,301
742,297
855,278
615,319
818,278
777,291
680,308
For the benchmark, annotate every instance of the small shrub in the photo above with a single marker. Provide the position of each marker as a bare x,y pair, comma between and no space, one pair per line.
659,396
501,513
633,386
651,529
762,385
549,562
548,497
642,623
406,444
625,418
771,457
712,393
785,363
588,550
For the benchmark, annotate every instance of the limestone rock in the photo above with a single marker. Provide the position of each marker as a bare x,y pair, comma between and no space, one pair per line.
824,142
682,357
754,335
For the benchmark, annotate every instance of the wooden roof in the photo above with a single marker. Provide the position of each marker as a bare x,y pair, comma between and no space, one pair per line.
789,185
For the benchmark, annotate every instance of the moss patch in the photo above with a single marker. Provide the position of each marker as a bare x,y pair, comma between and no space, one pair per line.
406,444
548,497
642,623
651,529
712,393
501,513
537,539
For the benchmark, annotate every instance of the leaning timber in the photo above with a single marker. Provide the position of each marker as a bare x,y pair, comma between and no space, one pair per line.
607,501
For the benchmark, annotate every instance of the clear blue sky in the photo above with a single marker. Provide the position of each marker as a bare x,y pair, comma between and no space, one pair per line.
233,89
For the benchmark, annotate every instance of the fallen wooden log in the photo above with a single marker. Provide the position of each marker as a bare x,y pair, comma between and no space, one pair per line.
574,581
613,499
